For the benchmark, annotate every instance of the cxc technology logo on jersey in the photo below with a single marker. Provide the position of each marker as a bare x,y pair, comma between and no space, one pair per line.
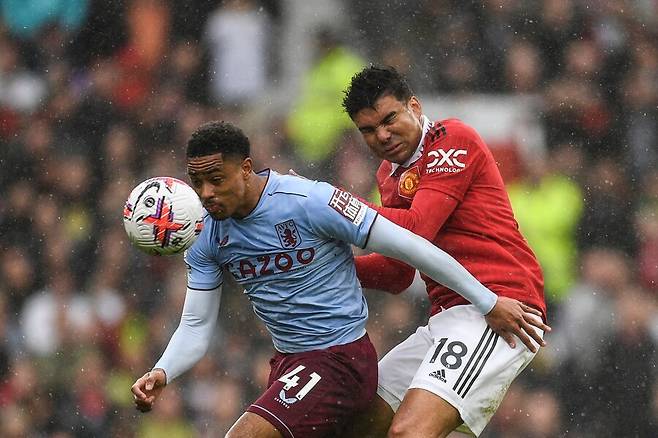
288,234
446,161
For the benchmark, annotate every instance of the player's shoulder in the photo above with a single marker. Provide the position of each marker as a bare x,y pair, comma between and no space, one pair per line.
297,189
289,185
210,228
385,168
209,231
452,130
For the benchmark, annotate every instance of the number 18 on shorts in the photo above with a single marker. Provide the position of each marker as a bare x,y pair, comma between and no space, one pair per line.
460,359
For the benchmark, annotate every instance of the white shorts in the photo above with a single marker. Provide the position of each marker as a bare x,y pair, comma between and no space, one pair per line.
460,359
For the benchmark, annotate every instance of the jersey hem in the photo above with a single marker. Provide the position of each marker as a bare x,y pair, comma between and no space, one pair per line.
203,289
438,307
360,334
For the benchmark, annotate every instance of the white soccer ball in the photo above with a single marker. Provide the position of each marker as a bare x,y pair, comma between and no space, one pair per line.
163,216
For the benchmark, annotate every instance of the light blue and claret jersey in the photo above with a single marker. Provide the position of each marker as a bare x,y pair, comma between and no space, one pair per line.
293,257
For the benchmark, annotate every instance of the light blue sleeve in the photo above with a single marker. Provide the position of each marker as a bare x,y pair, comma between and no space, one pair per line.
191,339
394,241
335,213
204,272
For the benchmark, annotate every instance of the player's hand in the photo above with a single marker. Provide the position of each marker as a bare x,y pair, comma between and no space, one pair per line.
510,318
147,388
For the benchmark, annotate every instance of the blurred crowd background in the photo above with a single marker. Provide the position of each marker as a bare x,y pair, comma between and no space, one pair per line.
96,96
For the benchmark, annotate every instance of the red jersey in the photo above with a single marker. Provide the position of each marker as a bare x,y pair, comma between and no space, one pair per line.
453,195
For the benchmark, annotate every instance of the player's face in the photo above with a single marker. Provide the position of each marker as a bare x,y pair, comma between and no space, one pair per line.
392,129
220,183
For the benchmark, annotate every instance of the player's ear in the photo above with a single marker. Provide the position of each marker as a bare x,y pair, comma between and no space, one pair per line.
246,166
415,106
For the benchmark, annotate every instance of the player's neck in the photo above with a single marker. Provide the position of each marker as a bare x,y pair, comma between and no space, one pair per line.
255,186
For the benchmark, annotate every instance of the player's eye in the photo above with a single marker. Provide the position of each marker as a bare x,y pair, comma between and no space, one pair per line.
390,119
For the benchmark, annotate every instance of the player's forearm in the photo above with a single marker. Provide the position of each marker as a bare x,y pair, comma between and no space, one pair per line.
427,214
191,339
394,241
378,272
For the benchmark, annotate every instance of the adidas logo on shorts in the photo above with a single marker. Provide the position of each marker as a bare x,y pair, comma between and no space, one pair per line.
439,374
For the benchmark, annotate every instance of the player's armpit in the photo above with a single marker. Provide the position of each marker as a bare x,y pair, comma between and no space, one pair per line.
382,273
427,214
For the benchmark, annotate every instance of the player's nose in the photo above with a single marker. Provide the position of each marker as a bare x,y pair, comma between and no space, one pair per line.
205,191
383,134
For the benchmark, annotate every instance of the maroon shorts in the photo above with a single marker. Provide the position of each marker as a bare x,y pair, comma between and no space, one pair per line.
315,393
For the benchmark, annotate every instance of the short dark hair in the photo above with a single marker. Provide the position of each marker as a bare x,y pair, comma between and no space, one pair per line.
218,137
370,84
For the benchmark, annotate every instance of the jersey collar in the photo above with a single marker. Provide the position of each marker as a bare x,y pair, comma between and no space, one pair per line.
419,150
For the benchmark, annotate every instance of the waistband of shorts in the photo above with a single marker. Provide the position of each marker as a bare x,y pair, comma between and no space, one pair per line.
363,338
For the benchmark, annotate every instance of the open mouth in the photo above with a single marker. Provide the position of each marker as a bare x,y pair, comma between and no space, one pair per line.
212,208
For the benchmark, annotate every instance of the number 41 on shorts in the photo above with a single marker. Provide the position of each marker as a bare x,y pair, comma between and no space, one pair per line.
291,380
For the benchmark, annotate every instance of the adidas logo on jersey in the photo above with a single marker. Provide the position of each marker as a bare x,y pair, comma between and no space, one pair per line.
439,374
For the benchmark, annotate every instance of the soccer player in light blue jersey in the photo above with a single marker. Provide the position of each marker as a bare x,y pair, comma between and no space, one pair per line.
287,240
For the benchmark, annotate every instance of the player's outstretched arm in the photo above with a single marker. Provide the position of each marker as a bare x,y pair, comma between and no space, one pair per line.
391,240
186,347
427,214
510,316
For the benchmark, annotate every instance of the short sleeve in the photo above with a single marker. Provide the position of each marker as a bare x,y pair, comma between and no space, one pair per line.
203,271
335,213
454,155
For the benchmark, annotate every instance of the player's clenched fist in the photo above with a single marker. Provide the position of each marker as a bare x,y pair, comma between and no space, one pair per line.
147,388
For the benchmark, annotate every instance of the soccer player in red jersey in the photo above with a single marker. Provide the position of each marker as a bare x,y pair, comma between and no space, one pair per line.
439,180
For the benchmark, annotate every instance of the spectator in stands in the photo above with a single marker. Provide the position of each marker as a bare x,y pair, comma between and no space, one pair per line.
548,205
237,37
316,123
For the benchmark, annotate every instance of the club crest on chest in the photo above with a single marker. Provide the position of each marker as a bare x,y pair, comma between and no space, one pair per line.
409,181
288,234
